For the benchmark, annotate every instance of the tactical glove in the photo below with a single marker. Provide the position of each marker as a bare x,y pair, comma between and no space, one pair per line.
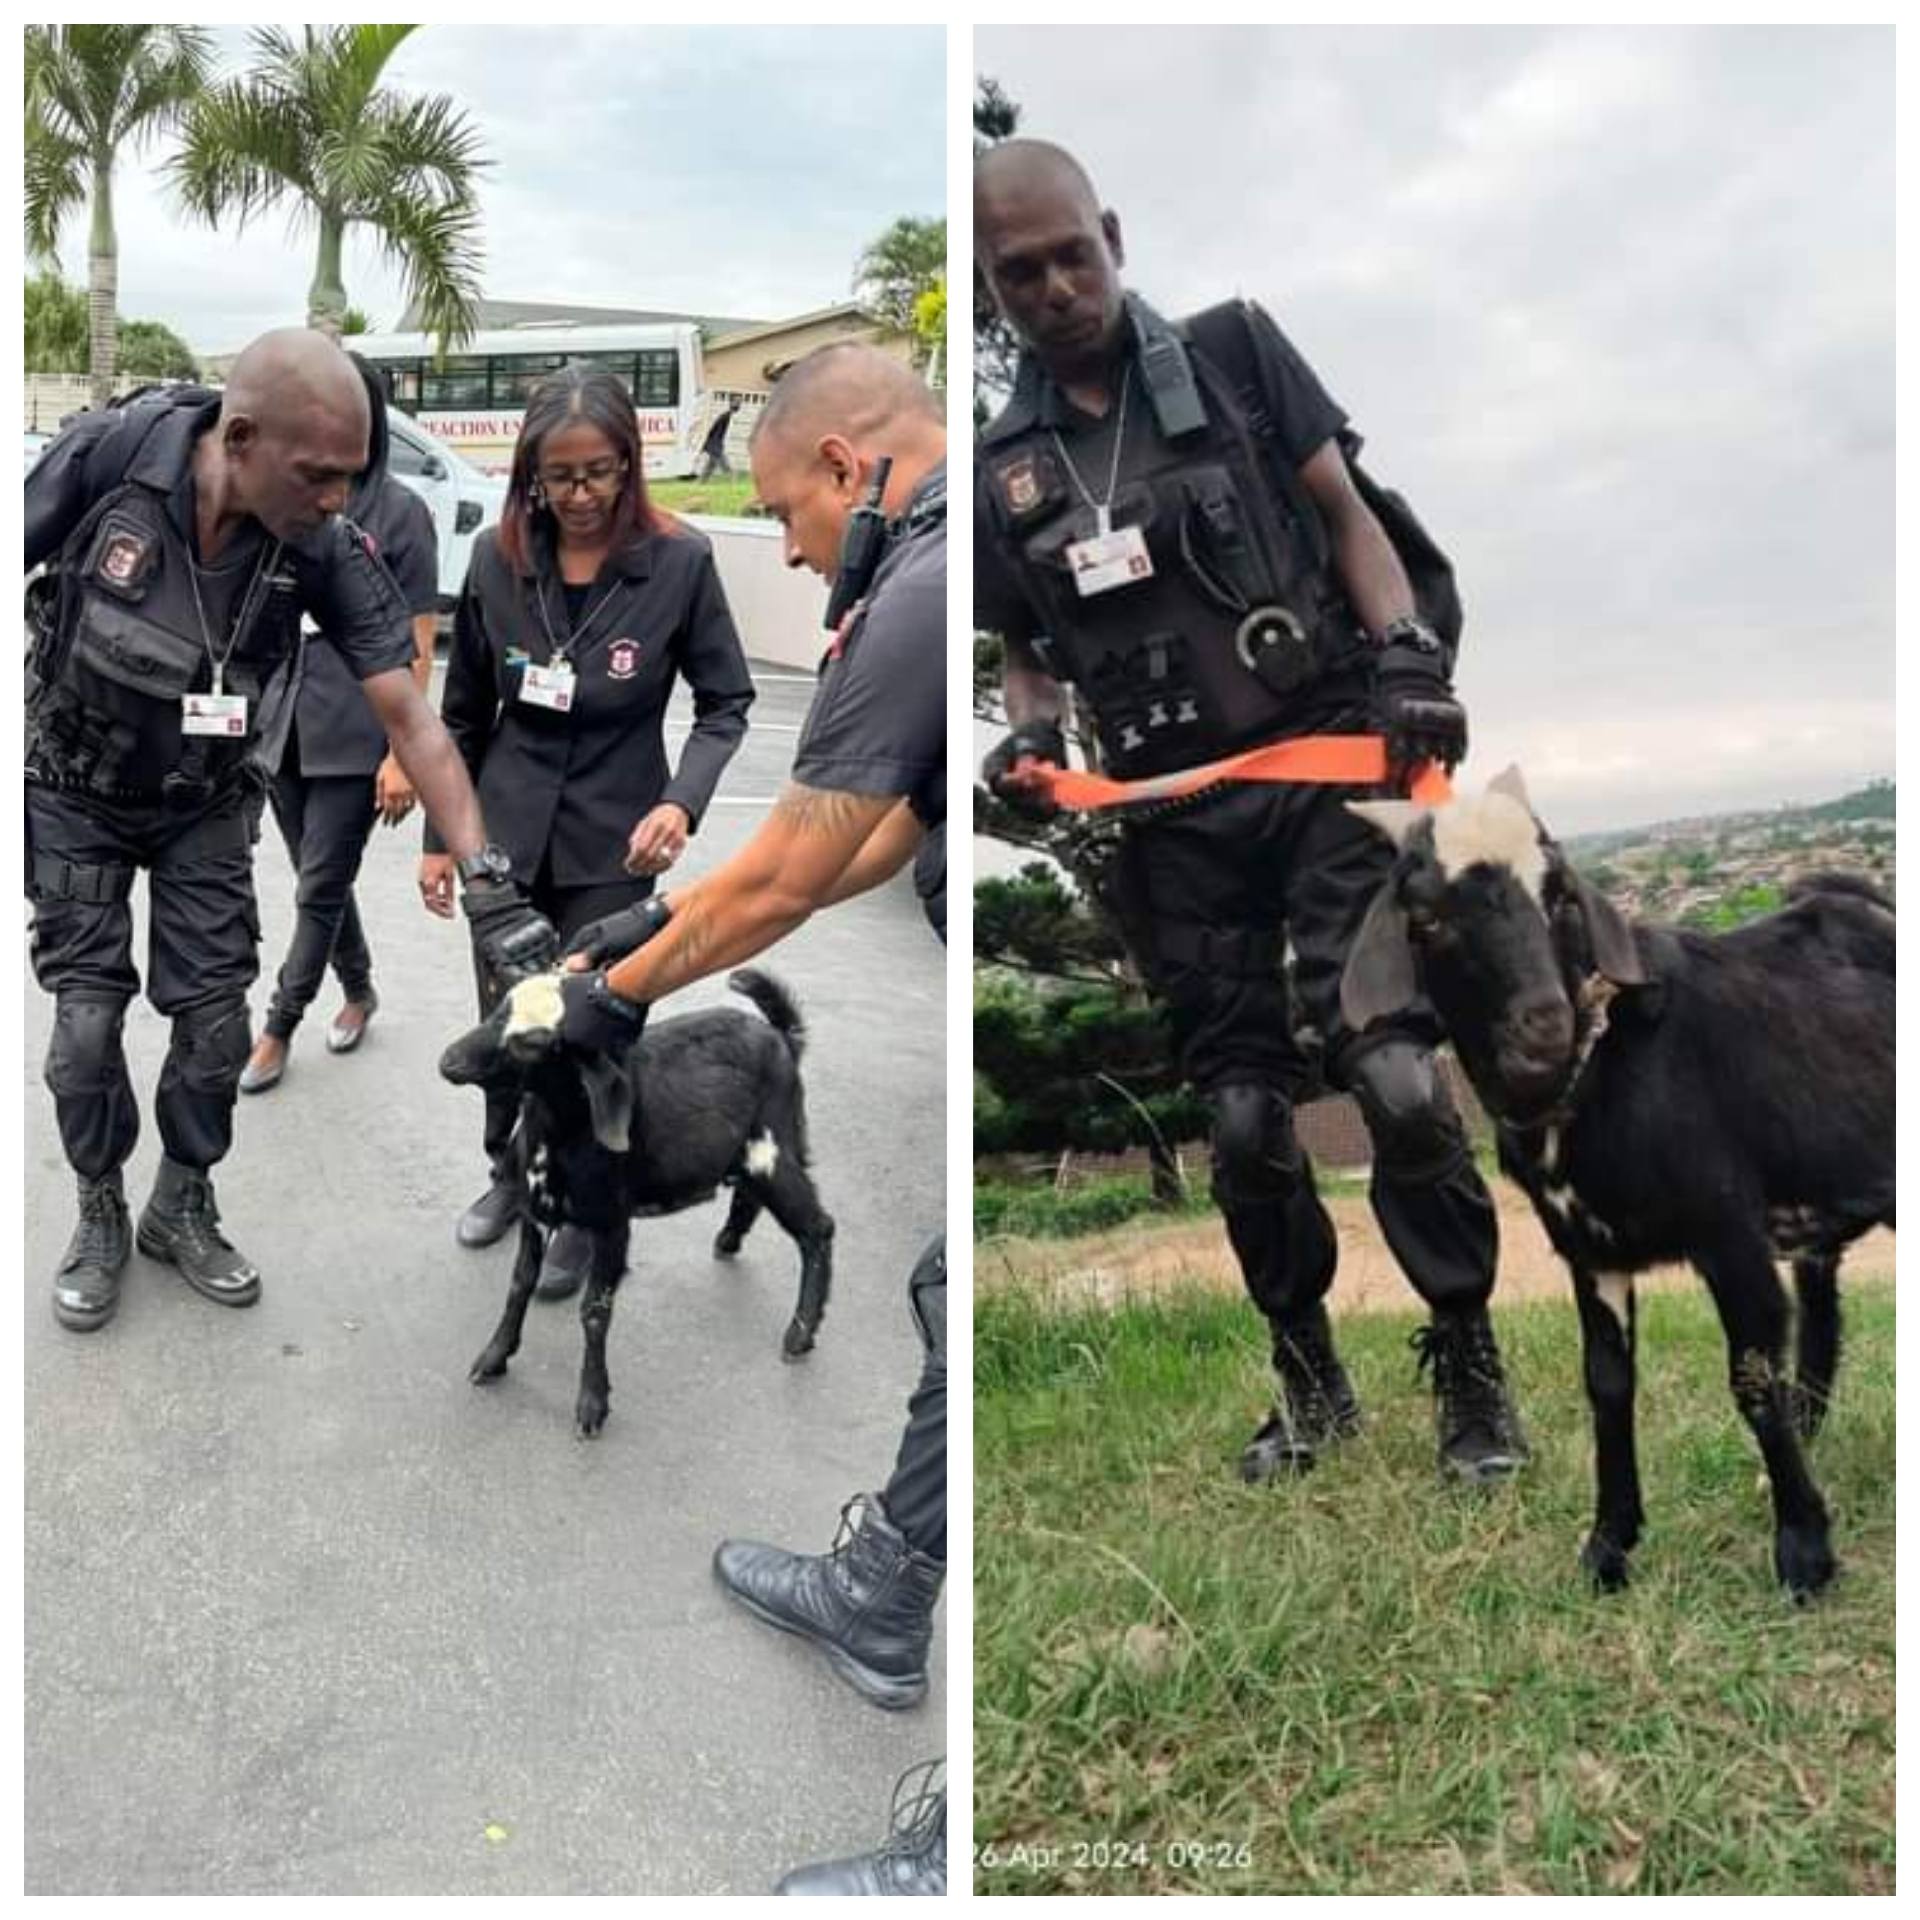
1415,707
511,939
596,1019
1035,740
615,935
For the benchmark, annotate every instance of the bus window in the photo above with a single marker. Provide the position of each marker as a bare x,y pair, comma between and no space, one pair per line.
659,381
515,375
403,384
461,383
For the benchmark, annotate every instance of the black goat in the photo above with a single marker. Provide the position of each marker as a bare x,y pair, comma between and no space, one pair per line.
1661,1095
705,1100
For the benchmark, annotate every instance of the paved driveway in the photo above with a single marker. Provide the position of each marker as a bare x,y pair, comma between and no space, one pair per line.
308,1613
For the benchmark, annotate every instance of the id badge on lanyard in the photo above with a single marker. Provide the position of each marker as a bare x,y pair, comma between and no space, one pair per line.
1114,557
219,715
549,686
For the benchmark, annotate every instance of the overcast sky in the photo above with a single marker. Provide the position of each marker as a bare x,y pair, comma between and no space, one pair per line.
1614,308
706,170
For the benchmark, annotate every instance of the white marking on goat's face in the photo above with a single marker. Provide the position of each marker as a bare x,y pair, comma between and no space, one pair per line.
534,1005
1493,830
762,1155
1616,1295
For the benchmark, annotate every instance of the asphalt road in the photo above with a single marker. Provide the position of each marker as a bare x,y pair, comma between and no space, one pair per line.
305,1612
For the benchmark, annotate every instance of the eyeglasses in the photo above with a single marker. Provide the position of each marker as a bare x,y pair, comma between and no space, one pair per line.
603,476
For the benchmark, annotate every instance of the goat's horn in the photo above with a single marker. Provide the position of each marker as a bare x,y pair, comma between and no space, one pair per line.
1395,818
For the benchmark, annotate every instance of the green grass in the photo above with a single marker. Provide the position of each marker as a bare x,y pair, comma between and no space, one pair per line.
725,495
1362,1682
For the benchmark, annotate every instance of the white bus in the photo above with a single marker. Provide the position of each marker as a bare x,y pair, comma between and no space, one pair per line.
474,399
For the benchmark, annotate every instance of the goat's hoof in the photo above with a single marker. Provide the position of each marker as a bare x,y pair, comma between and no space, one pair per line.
589,1416
726,1243
490,1366
797,1342
1803,1558
1605,1564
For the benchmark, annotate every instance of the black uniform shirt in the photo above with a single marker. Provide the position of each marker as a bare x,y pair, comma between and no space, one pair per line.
1304,414
567,789
338,734
352,603
878,723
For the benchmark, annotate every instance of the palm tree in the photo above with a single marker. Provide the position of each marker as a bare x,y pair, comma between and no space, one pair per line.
311,128
92,91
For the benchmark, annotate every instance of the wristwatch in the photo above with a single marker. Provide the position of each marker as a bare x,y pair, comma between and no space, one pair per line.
489,864
1410,631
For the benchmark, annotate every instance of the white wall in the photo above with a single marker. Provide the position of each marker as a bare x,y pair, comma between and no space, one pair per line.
776,608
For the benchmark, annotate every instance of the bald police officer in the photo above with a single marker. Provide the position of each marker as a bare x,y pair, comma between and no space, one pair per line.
850,457
183,536
1165,521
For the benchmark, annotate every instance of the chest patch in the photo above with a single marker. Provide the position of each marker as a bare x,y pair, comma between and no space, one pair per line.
1026,481
623,659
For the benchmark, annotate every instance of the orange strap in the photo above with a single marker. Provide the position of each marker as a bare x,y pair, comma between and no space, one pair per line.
1331,759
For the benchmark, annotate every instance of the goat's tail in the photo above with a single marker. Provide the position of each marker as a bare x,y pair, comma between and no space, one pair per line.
776,1005
1810,886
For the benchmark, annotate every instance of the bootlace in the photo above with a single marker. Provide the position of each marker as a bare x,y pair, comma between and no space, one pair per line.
1307,1358
845,1532
100,1210
200,1214
919,1808
1465,1365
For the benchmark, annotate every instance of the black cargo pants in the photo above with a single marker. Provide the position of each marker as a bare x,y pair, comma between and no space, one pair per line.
203,948
916,1496
1210,898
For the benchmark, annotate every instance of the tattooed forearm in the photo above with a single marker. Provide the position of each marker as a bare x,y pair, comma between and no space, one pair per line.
788,869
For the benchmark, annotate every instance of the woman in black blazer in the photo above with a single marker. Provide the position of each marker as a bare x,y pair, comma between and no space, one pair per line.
581,610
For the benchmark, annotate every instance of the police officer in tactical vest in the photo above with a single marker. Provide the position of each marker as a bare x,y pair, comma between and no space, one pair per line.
183,536
1166,522
850,458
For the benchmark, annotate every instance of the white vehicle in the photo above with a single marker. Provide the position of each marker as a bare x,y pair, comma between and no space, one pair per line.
475,398
460,497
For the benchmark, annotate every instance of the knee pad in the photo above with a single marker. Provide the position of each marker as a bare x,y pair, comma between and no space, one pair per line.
84,1055
927,1298
211,1043
1416,1132
1255,1154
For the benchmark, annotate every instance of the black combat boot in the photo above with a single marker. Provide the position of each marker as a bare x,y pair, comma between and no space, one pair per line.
564,1266
86,1290
1480,1437
1317,1404
911,1859
491,1215
181,1225
867,1604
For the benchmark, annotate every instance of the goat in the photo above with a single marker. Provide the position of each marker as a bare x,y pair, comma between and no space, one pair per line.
1661,1095
705,1100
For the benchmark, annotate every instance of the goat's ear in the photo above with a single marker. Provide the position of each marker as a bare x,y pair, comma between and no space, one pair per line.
473,1056
609,1101
1609,936
1512,785
1379,978
1395,818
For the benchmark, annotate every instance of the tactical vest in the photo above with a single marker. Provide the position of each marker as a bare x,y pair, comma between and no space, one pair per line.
122,644
1239,618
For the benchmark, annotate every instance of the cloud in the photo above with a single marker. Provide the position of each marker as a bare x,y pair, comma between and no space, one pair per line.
715,170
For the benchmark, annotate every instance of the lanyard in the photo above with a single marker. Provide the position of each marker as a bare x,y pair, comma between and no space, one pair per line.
1102,509
562,651
242,619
